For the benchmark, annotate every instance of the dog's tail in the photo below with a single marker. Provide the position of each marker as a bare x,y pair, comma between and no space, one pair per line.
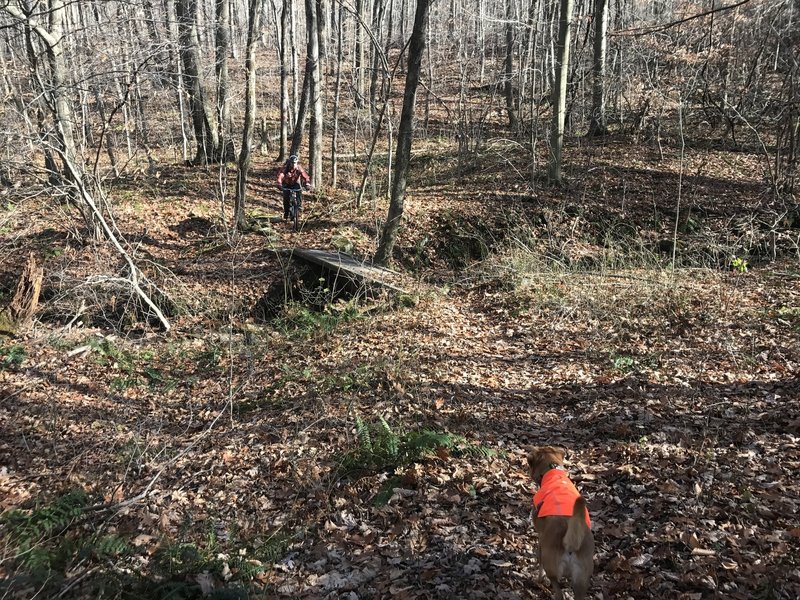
576,526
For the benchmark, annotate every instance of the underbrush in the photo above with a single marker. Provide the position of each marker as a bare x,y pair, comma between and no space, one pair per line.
380,448
65,546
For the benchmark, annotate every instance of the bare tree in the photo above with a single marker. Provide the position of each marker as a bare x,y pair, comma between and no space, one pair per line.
284,66
508,75
598,124
253,24
360,52
222,44
52,79
205,131
405,134
315,92
336,97
559,99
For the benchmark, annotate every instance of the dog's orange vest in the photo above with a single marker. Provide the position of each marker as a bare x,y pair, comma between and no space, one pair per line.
556,496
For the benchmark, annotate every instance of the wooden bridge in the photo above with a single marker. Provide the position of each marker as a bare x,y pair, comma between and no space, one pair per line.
345,273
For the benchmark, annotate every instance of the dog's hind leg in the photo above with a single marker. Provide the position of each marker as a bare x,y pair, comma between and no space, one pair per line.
579,589
558,594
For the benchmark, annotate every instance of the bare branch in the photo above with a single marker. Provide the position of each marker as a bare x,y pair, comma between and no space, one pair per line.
670,25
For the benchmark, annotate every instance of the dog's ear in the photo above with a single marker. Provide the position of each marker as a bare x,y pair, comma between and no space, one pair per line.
551,452
534,453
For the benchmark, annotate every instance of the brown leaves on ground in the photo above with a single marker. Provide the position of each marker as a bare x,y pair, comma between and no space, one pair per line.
676,395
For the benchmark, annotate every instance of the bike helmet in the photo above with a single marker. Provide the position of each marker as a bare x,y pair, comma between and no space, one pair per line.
293,160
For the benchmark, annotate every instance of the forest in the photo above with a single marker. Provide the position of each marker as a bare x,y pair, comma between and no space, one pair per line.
570,223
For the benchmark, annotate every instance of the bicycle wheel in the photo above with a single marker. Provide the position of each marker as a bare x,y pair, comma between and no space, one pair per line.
295,212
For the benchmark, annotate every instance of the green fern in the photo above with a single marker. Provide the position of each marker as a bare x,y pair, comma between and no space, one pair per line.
274,548
390,441
108,546
363,435
379,447
28,527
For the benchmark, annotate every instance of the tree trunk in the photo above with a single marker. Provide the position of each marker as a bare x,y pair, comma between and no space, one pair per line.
359,53
25,301
337,93
253,25
222,44
377,29
559,99
598,124
204,130
314,93
405,135
513,123
302,111
176,73
284,66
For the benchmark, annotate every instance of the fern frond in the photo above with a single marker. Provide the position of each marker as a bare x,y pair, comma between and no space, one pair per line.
363,435
109,546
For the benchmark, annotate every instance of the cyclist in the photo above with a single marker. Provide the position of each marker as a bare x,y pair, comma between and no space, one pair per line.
292,177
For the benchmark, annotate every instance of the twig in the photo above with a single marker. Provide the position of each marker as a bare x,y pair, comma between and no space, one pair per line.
143,494
670,25
76,581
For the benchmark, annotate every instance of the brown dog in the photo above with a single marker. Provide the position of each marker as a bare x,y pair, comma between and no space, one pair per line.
566,544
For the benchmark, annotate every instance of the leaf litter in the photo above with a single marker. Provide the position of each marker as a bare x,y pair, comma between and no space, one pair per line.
676,396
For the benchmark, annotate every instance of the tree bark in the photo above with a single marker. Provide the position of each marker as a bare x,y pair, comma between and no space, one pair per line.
337,93
559,99
513,122
204,130
405,135
598,124
360,56
222,42
314,92
284,66
253,23
25,301
302,112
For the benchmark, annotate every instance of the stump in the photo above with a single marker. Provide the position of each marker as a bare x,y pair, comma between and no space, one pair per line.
25,301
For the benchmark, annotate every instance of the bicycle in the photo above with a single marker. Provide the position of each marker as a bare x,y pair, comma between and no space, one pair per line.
294,206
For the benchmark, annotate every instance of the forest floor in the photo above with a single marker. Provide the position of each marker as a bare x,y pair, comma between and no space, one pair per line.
267,449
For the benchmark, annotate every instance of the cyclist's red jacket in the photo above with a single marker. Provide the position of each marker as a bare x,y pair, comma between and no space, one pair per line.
288,177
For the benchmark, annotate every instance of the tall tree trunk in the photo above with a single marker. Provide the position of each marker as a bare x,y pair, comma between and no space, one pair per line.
284,66
176,73
337,93
204,130
377,29
222,42
302,112
360,53
253,23
49,141
314,93
598,124
513,123
405,134
295,70
559,99
58,73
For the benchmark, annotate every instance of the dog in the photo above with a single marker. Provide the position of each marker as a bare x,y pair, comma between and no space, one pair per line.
566,543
